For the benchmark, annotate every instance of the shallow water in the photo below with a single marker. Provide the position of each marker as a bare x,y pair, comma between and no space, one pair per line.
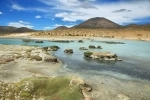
135,56
130,77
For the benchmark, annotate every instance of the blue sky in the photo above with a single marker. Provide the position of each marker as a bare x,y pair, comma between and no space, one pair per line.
49,14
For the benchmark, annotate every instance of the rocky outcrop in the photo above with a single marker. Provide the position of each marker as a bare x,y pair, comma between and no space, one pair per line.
39,41
83,48
112,42
87,54
99,47
80,41
92,47
53,88
35,57
85,88
106,56
54,48
68,51
61,41
51,48
50,59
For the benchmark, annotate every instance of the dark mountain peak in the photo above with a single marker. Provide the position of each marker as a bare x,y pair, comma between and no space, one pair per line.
98,18
61,27
97,22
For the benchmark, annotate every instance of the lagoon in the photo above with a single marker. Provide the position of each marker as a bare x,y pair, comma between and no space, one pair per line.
130,76
135,56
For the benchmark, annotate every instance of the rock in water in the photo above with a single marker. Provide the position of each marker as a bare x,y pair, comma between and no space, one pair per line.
99,47
80,41
92,46
106,56
83,48
68,51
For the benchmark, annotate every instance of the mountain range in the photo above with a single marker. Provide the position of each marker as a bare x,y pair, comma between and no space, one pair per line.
10,29
93,23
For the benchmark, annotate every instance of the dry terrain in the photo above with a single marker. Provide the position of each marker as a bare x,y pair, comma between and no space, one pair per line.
138,34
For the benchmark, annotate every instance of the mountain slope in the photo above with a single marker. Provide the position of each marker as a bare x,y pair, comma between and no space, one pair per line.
6,29
97,22
61,27
136,26
22,30
10,29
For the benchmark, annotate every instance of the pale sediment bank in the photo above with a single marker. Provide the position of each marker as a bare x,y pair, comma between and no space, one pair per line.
18,62
26,67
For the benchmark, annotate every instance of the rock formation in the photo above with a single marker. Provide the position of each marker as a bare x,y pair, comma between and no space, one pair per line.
106,56
69,51
83,48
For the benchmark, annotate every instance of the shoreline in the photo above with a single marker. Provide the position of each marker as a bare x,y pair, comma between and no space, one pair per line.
68,38
103,86
16,63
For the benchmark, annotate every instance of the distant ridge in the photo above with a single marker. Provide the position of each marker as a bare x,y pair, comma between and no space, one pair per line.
61,28
22,30
98,22
7,29
136,26
10,29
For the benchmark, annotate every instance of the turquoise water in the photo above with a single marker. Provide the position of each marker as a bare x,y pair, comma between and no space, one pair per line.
135,56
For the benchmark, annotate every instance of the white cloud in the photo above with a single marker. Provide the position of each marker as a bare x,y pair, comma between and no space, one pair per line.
38,16
1,13
124,11
57,25
17,7
73,10
20,24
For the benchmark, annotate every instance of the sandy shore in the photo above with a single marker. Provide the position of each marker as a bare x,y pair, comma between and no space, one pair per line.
15,65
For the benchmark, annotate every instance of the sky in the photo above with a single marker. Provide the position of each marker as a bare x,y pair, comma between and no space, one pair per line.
49,14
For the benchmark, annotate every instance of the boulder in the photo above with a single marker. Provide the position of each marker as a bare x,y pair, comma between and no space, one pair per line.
54,48
68,51
45,48
87,54
36,57
106,56
80,41
51,48
83,48
50,59
92,46
99,47
39,42
86,87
